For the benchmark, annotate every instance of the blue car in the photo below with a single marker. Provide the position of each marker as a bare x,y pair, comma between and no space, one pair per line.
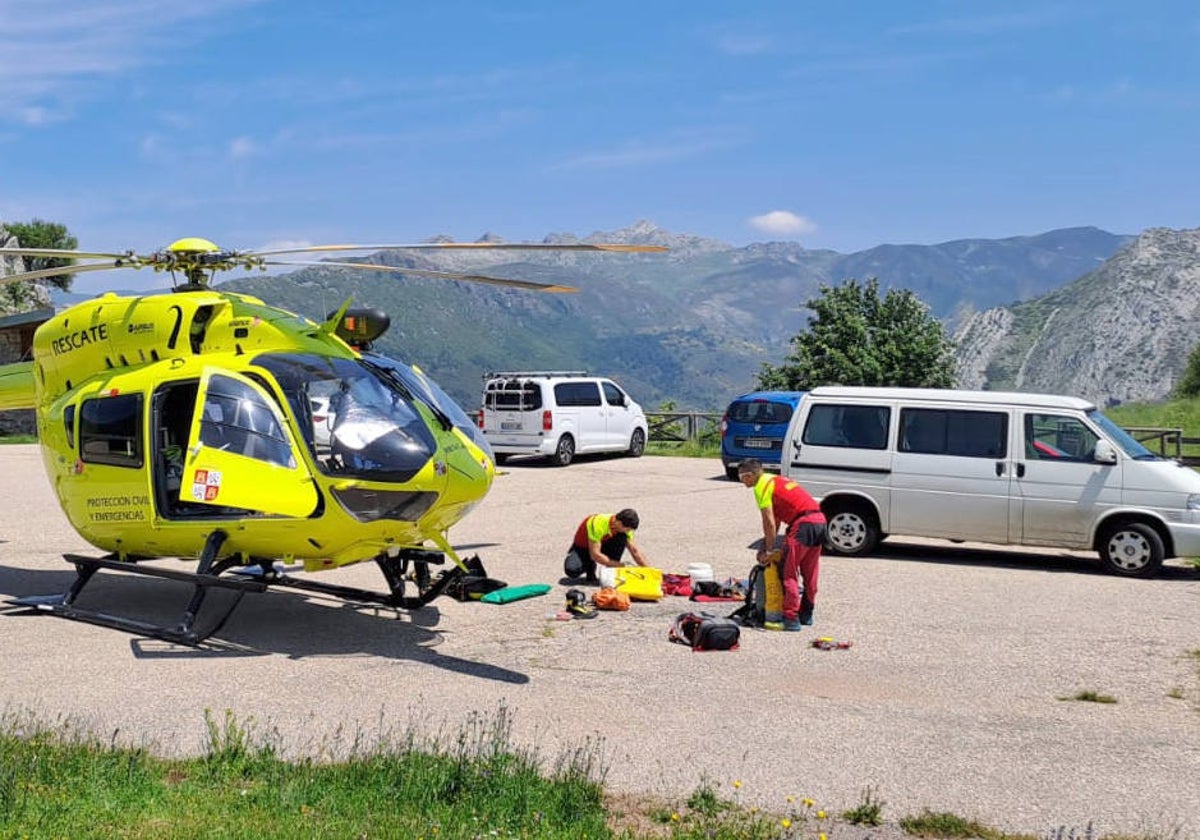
754,426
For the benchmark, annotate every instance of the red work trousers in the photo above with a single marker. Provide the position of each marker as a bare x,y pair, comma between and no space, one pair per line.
801,563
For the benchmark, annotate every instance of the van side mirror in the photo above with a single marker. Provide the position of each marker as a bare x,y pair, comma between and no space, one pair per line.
1105,453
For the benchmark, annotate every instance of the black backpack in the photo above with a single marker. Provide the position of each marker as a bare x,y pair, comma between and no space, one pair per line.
704,631
753,613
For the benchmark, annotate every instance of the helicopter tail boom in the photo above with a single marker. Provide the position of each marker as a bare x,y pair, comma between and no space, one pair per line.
17,388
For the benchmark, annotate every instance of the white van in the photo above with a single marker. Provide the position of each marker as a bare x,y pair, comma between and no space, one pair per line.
557,414
1005,468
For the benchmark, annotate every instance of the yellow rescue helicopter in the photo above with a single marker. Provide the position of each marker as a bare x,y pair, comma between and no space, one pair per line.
208,426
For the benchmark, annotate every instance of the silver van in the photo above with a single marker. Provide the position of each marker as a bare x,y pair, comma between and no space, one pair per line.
1004,468
557,414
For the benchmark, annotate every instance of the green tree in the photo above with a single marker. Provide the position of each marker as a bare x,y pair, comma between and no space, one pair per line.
855,337
1189,383
43,234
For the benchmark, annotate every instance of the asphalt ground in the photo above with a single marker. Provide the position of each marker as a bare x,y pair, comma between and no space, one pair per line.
951,697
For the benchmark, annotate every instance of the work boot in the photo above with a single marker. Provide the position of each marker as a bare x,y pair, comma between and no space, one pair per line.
792,625
772,625
806,612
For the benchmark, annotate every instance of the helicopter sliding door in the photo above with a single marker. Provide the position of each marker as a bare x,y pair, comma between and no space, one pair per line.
240,453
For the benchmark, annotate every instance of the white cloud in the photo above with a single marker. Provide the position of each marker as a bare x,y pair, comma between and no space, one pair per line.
51,54
637,152
782,223
242,147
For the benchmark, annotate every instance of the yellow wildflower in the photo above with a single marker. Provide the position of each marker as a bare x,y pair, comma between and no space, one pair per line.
675,816
736,783
785,822
820,815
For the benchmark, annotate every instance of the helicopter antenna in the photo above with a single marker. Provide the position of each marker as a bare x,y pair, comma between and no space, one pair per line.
329,327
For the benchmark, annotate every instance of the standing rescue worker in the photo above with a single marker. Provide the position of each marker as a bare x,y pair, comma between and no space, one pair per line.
783,501
601,540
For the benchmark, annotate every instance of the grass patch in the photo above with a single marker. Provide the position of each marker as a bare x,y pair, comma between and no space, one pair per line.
867,812
56,785
18,439
944,824
1091,697
686,449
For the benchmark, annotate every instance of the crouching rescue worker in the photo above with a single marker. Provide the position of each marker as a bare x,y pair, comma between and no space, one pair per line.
783,501
601,540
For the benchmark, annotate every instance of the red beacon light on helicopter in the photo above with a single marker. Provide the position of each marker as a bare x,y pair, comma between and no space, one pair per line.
361,326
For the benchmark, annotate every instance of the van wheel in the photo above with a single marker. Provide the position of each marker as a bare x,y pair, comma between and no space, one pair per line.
501,459
850,531
1132,549
637,444
564,453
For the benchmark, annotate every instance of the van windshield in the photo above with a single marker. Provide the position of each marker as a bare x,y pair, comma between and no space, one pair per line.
1122,438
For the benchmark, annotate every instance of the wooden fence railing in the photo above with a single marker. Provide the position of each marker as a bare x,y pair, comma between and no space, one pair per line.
1167,442
680,426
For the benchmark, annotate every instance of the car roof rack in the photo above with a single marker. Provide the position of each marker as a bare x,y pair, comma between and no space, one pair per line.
547,373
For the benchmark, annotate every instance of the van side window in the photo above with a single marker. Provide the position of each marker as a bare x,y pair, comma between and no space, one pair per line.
1058,437
852,426
969,434
577,393
612,394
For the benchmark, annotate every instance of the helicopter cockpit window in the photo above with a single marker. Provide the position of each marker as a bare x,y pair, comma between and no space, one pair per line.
359,420
109,430
237,419
437,399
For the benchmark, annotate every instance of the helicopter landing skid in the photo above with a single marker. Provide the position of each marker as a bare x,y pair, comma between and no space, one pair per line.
186,631
209,575
395,572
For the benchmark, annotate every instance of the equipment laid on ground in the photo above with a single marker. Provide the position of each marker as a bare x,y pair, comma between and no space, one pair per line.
607,598
704,631
641,583
764,598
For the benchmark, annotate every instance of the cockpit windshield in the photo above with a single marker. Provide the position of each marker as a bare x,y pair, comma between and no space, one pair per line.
358,421
432,395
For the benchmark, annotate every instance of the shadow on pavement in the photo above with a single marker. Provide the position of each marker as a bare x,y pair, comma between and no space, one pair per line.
273,622
1048,561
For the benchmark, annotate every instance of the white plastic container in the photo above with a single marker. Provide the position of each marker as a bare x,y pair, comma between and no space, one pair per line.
607,575
699,572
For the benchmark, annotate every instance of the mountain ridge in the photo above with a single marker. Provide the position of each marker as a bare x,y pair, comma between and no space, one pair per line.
693,325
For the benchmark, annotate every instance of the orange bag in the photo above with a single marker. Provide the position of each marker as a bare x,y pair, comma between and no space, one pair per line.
610,599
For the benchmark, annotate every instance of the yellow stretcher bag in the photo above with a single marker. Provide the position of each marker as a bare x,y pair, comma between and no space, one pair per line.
640,583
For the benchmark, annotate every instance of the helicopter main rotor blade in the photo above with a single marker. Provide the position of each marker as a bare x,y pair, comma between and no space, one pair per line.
65,269
442,275
63,253
476,246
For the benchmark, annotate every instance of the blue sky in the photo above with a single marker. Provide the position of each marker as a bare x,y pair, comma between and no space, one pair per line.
838,125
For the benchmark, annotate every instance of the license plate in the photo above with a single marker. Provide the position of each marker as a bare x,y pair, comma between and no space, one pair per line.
759,443
510,425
